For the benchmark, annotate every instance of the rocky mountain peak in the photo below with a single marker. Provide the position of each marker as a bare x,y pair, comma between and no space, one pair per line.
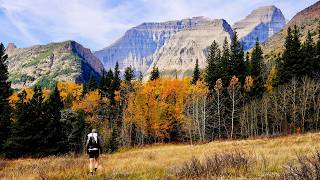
261,23
11,47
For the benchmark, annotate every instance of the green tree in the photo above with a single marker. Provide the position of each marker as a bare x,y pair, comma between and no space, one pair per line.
236,65
257,66
196,73
116,80
128,74
308,52
213,68
292,64
155,74
102,82
92,84
113,143
5,110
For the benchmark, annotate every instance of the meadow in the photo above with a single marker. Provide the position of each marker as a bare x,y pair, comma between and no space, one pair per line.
264,158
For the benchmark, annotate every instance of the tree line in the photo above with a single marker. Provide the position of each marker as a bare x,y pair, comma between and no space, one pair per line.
237,95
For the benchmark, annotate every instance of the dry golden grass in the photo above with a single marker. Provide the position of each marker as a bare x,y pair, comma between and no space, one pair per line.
270,156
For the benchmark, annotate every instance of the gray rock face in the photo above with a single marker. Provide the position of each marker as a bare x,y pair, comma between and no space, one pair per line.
45,64
137,47
174,46
261,23
178,56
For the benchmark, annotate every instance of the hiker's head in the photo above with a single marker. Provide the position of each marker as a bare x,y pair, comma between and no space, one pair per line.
94,131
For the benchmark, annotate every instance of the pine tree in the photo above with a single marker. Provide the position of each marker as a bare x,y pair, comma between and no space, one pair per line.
140,76
213,70
292,64
236,65
52,130
116,80
196,73
92,84
5,110
317,55
113,140
102,82
256,64
225,58
28,137
308,52
155,74
128,74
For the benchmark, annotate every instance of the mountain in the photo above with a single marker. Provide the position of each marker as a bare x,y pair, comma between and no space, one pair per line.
65,61
178,56
139,44
261,23
307,19
175,45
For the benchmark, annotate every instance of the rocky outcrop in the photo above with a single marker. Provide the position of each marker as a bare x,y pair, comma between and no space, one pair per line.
45,64
306,20
139,44
178,56
261,23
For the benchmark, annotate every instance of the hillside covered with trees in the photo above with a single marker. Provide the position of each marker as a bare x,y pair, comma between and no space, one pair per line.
238,95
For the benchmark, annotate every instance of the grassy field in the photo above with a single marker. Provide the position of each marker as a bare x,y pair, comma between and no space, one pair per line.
267,158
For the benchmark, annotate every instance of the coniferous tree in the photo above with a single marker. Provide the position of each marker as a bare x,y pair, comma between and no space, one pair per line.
213,69
236,65
155,74
256,64
113,140
92,84
225,58
140,76
128,74
28,136
196,73
317,56
308,52
5,109
102,82
292,64
52,130
116,80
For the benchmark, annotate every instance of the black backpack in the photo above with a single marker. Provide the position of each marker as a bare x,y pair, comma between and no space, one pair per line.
93,143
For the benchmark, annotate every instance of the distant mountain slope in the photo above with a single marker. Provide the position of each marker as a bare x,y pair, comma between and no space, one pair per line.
261,23
175,45
178,56
307,19
65,61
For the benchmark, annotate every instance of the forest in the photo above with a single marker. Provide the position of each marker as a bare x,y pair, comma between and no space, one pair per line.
238,95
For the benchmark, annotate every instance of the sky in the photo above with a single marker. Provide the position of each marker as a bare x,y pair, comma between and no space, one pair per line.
98,23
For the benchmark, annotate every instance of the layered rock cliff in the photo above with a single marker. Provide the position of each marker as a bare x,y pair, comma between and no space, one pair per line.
178,56
262,23
45,64
174,46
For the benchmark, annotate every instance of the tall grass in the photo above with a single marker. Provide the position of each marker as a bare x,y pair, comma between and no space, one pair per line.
274,158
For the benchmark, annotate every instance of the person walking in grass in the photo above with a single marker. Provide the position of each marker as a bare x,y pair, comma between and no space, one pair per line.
94,148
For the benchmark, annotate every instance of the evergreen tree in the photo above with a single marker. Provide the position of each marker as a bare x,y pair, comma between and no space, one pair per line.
102,82
213,70
196,73
113,144
5,110
308,52
140,76
155,74
236,65
128,74
27,137
92,84
117,79
52,130
256,64
225,58
317,56
292,64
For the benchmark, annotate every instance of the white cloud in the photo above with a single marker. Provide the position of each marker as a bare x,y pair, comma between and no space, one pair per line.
97,23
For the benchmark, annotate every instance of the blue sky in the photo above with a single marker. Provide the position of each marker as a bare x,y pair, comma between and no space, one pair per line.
97,23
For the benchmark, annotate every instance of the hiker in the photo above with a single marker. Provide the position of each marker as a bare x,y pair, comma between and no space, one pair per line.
94,148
